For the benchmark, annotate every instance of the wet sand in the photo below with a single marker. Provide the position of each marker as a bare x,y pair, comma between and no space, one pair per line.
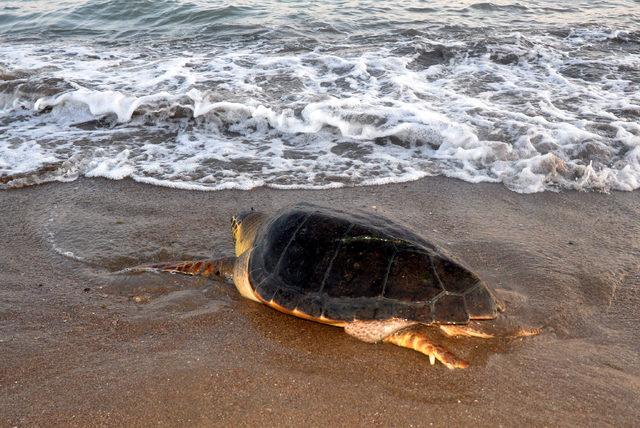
79,350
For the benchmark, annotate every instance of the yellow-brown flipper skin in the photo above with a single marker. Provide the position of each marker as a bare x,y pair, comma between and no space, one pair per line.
421,343
195,267
485,330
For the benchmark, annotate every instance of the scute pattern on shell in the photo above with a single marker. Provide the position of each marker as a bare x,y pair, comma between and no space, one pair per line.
347,266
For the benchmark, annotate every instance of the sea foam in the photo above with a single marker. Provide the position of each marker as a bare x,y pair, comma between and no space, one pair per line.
534,111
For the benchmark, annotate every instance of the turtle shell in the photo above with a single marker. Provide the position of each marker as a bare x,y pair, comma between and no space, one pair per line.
344,266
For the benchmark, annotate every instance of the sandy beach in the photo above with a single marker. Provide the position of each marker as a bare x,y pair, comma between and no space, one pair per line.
85,346
507,133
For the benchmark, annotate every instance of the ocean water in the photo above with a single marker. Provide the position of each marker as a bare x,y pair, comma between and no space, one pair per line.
538,95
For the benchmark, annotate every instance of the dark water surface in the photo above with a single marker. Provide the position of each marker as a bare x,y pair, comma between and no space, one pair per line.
537,95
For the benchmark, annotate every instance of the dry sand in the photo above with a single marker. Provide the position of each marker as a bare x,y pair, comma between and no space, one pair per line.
78,350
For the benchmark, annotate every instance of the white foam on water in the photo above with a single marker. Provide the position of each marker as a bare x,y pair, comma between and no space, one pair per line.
102,103
51,237
23,157
530,111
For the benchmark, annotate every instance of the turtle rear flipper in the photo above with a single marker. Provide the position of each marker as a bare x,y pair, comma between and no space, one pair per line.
221,268
500,327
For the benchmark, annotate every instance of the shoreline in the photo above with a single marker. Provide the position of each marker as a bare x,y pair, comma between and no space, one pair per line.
80,351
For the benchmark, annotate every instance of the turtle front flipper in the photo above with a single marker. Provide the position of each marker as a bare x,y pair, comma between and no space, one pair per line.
420,342
221,268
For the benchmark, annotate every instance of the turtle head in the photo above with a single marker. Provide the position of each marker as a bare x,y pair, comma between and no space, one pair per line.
244,228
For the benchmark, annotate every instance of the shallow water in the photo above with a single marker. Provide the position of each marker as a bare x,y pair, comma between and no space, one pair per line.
535,95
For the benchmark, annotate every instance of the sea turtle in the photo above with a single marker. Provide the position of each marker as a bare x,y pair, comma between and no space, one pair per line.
376,279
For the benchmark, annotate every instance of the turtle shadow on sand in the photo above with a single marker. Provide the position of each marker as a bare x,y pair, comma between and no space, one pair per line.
160,296
322,341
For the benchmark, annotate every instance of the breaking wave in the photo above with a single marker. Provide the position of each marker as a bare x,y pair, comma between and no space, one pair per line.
536,110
